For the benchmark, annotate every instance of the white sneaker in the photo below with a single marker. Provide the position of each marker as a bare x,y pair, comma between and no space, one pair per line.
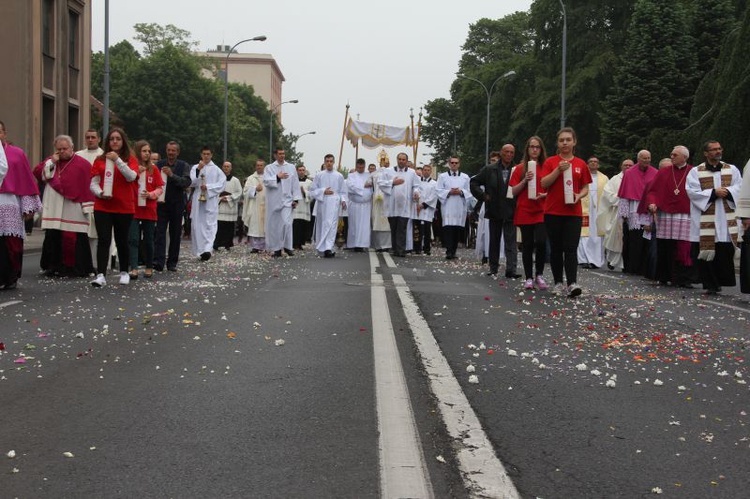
559,289
574,290
99,281
124,278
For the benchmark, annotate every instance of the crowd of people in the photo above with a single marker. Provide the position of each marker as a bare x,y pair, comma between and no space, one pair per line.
677,224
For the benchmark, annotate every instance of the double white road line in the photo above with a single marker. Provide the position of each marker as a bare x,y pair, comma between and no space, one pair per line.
403,472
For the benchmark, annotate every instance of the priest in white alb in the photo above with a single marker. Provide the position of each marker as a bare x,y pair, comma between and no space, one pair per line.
207,181
282,195
254,209
359,190
590,246
329,191
608,219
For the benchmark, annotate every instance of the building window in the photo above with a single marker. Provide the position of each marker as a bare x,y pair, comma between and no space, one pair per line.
74,39
74,123
48,28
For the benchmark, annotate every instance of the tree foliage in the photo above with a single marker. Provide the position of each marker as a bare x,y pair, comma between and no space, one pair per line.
165,95
640,73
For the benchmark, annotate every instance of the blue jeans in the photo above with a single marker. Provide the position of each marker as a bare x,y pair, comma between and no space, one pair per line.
145,228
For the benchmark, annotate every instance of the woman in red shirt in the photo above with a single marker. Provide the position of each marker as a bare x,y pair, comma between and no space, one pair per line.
115,202
529,214
148,191
566,179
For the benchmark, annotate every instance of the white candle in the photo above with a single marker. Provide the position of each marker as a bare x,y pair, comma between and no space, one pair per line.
568,185
163,189
531,187
141,188
109,178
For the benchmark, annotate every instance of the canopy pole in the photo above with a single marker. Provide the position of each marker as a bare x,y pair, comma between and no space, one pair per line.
343,134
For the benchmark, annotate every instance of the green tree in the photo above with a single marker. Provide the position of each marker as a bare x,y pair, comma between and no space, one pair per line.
166,95
439,126
653,90
596,30
154,37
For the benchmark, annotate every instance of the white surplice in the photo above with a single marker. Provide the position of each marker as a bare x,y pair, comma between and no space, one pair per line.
609,221
398,199
254,209
204,214
327,207
701,198
453,208
280,194
359,192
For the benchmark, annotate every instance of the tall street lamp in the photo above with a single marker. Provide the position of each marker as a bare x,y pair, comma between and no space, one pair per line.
226,85
564,64
432,118
300,136
489,96
270,128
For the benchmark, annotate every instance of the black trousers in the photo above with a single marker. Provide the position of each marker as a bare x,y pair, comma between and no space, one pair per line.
563,232
105,223
635,251
451,235
668,268
424,242
398,234
224,234
169,218
506,230
534,249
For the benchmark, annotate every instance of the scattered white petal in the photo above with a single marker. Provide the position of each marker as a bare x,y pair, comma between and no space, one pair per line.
92,448
196,337
723,373
482,346
596,372
473,379
512,353
681,388
582,367
737,374
288,322
79,335
656,490
437,314
440,459
658,382
11,454
610,383
279,342
471,346
15,470
68,454
470,369
256,325
542,366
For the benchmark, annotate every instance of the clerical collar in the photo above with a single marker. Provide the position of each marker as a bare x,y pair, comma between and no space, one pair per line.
713,168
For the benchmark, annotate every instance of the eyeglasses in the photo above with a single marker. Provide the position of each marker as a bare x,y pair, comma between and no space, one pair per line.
715,149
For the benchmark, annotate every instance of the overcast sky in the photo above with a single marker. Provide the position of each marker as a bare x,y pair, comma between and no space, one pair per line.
382,57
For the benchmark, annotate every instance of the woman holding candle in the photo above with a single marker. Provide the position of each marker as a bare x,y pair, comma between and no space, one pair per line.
112,175
566,179
529,214
150,186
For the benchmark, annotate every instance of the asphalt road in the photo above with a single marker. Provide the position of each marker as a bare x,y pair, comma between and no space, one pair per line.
253,377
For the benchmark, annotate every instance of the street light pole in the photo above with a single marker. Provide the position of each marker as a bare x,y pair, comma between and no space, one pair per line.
270,128
564,64
488,92
300,136
226,85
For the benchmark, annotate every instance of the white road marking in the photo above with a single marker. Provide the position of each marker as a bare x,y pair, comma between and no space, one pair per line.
403,472
389,260
9,303
726,305
374,262
483,473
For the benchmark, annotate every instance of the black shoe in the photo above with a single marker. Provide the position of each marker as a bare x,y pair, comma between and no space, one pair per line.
172,269
288,252
512,275
158,267
485,260
277,254
686,285
492,273
610,266
427,253
328,254
205,256
254,250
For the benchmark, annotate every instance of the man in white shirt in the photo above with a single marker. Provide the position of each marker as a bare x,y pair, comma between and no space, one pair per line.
359,194
400,188
282,195
453,191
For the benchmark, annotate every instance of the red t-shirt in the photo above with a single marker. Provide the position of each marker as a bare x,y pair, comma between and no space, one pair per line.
153,182
123,194
555,200
528,211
